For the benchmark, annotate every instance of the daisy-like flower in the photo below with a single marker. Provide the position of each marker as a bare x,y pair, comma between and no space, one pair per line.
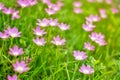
23,3
13,32
32,2
59,3
14,77
88,27
39,41
114,10
54,7
38,31
57,41
77,4
78,10
63,26
43,23
80,55
1,6
93,18
98,38
15,14
53,22
88,46
103,13
7,10
4,35
50,11
15,51
46,1
86,69
108,1
20,67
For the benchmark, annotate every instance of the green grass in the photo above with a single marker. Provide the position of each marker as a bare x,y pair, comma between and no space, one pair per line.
57,63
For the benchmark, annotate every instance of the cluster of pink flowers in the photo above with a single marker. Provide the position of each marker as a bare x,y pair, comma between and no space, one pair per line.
19,67
39,33
10,11
77,7
52,7
10,32
27,3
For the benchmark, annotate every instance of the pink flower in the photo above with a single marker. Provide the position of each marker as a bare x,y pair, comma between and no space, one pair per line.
53,22
80,55
32,2
46,1
78,10
50,11
57,41
14,77
93,18
38,31
39,42
103,13
23,3
59,3
20,67
63,26
7,10
13,32
4,35
77,4
15,51
114,10
98,38
15,14
54,7
43,23
88,27
86,69
108,1
1,6
88,46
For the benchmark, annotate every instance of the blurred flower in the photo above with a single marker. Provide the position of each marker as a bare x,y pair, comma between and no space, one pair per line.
108,1
39,42
20,67
46,1
54,7
63,26
32,2
4,35
93,18
88,46
7,10
15,51
103,13
86,69
78,10
59,3
88,26
14,77
53,22
114,10
1,6
13,32
57,41
23,3
50,11
98,38
38,31
77,4
79,55
15,14
43,23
